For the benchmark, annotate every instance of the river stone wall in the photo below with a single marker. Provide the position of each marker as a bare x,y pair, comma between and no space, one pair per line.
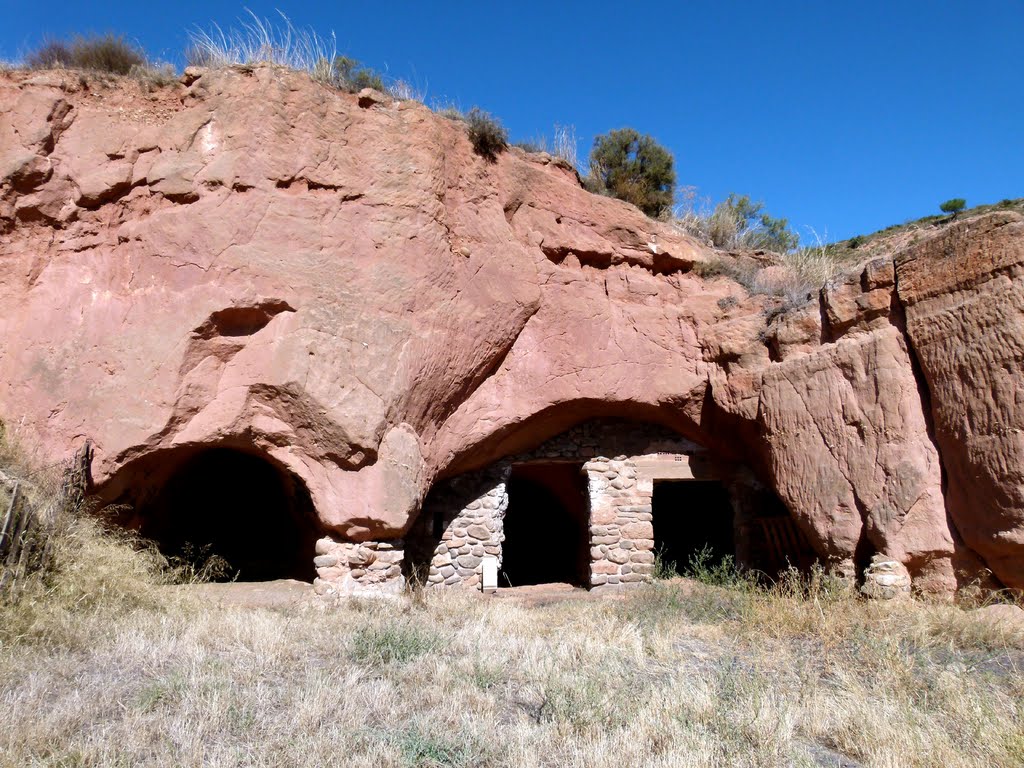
463,517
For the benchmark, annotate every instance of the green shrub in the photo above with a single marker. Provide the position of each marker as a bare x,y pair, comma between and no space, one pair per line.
706,567
50,55
105,53
487,135
633,168
663,567
739,222
349,75
953,206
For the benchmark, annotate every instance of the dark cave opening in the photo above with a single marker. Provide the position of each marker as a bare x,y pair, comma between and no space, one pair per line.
546,526
691,517
236,506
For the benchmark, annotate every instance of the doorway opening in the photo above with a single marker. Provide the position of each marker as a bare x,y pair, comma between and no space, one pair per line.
235,513
546,526
692,518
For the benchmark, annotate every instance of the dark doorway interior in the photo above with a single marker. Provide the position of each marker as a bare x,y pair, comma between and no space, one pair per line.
546,526
239,507
689,516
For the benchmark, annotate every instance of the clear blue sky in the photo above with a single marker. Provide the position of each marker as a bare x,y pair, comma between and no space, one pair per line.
846,117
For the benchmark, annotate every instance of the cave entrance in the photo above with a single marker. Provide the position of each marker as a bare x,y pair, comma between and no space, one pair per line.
546,526
689,517
236,506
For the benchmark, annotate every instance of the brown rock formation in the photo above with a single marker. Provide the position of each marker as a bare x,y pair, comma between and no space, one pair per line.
342,287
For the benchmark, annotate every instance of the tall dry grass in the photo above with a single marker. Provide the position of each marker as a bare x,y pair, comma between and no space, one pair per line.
109,667
258,40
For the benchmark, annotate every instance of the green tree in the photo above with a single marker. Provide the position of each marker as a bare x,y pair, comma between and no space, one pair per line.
953,206
633,168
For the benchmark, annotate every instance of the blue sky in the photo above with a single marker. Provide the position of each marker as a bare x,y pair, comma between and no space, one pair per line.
844,117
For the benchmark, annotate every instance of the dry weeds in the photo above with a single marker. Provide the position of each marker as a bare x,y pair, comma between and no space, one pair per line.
104,666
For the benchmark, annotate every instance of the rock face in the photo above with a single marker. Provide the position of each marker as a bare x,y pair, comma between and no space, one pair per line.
339,285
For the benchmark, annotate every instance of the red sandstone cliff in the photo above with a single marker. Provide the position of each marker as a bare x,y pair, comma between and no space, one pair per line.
254,260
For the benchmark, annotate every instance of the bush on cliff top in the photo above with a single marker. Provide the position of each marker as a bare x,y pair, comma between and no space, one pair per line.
104,53
633,168
487,134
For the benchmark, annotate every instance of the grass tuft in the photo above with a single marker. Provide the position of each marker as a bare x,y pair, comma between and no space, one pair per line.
393,643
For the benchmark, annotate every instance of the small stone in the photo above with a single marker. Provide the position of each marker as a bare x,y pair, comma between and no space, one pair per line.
468,562
637,530
324,546
478,532
325,561
618,556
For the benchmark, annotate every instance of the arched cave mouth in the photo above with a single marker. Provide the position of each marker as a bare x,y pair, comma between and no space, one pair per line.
237,506
546,526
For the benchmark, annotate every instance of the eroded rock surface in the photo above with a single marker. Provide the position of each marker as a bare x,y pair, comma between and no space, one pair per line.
342,286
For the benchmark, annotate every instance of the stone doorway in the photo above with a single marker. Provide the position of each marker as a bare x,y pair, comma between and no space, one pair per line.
690,516
546,526
237,506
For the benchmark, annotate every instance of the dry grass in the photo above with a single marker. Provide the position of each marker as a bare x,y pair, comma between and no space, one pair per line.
107,667
257,40
563,144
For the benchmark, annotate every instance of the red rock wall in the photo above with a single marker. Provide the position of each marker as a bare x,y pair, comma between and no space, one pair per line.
250,259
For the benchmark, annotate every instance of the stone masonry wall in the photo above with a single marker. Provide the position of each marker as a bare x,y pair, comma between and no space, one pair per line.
621,528
471,529
367,569
463,517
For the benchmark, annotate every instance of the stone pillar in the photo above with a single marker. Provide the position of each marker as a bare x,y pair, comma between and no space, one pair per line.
363,569
886,578
621,531
474,531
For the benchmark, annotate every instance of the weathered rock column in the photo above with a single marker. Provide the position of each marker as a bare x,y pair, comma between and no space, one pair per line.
621,529
363,569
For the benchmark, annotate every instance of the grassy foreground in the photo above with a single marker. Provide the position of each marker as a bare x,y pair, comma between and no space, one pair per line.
104,666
